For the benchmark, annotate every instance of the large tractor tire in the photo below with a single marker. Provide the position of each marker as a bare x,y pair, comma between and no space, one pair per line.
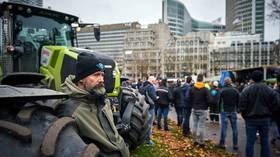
134,113
34,131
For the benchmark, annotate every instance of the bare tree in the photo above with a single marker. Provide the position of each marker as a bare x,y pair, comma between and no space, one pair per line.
274,5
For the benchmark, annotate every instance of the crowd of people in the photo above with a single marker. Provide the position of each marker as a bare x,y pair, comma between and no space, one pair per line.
258,104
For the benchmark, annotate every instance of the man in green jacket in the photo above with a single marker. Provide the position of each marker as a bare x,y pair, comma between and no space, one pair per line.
90,108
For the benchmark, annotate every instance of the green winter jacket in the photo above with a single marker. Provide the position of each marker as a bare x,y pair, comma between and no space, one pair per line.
94,119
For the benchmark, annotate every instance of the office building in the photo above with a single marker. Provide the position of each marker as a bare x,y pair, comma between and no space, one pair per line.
180,22
243,55
144,50
206,26
175,14
251,16
189,54
226,39
111,39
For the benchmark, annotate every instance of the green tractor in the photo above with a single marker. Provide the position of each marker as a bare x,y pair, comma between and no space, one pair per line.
37,40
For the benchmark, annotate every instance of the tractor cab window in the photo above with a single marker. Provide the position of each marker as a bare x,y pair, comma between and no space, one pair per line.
33,32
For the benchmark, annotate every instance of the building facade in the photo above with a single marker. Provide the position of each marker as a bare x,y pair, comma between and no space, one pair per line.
38,3
188,55
111,39
226,39
206,26
180,22
144,51
243,55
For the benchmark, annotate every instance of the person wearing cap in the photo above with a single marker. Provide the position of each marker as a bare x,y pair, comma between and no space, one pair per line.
257,102
228,102
90,108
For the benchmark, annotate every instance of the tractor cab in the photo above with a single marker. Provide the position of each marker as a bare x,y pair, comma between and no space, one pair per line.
26,29
34,39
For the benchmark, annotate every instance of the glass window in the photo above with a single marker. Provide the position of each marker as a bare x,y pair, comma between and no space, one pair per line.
35,32
43,31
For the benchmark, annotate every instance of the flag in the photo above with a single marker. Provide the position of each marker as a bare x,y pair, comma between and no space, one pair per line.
217,21
237,20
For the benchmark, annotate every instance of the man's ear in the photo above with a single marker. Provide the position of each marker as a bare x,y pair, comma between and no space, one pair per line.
81,82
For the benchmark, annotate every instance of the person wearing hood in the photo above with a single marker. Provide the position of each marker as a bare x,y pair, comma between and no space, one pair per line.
199,98
90,108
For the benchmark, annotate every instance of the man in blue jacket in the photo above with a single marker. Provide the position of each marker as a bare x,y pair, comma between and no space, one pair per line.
149,90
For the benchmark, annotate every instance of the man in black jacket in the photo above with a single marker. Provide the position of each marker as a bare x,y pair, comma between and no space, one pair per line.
229,99
199,98
187,107
257,102
178,103
164,99
275,114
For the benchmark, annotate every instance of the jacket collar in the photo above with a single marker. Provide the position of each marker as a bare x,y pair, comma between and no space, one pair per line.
71,88
199,85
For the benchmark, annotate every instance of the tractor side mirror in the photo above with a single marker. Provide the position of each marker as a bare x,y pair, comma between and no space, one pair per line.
96,31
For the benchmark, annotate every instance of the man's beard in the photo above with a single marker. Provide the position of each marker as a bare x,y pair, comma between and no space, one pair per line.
99,90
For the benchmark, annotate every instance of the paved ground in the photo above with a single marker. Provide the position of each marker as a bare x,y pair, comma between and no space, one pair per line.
212,132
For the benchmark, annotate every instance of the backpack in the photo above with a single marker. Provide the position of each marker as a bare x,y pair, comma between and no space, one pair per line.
213,92
214,96
163,96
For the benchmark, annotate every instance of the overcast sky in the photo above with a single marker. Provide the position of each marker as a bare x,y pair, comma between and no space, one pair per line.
143,11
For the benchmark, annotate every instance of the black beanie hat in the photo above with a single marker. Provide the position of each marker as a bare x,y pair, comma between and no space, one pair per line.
257,76
86,65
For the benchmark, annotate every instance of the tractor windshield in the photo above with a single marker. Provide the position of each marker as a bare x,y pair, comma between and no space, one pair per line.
33,32
39,31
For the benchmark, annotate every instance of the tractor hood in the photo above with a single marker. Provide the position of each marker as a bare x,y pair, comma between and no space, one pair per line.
15,94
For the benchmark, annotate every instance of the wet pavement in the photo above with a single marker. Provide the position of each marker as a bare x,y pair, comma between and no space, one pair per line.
212,132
